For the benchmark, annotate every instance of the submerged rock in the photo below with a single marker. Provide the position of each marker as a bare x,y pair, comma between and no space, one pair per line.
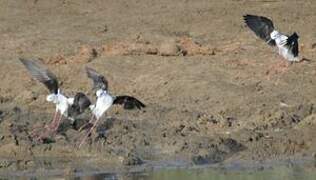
132,159
231,145
1,115
212,157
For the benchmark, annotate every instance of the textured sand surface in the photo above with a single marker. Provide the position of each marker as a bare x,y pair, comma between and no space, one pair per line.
214,92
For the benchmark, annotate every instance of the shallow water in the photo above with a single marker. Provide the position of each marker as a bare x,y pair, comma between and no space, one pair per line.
288,171
210,174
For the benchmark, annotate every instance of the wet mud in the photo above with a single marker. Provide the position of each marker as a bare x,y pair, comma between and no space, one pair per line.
213,92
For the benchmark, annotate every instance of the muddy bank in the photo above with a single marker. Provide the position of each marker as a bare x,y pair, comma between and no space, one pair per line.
214,93
138,139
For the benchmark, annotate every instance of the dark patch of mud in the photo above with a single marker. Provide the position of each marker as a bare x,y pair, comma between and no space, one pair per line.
124,142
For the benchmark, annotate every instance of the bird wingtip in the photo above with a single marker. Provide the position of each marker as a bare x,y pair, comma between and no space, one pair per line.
89,68
247,16
23,60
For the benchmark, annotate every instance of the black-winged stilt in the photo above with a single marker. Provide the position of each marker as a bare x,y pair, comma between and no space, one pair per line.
105,100
65,106
264,29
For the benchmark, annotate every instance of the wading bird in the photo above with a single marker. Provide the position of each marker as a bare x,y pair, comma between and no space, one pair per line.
105,100
65,106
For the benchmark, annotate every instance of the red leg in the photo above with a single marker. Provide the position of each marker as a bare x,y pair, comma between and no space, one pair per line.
85,125
91,129
53,122
55,128
49,127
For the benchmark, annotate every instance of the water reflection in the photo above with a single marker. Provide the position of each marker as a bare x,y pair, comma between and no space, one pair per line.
275,173
288,170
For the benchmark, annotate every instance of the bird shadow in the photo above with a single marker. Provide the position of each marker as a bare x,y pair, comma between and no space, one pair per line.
102,129
74,132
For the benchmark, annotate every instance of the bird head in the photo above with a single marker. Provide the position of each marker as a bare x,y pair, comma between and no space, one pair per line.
100,92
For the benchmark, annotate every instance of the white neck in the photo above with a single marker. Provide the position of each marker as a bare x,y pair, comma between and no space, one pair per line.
55,98
100,92
275,34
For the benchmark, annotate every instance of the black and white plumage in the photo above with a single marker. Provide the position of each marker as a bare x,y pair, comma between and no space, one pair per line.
99,81
45,76
264,28
80,104
128,102
41,74
105,100
62,103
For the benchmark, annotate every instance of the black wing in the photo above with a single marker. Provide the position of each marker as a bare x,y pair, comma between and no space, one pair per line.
292,43
81,103
261,26
41,74
128,102
99,81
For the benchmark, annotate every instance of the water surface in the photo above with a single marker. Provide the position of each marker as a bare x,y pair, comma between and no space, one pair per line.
284,171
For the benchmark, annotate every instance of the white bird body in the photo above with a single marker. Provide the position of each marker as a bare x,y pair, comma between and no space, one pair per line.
105,100
103,103
62,102
263,27
65,107
281,40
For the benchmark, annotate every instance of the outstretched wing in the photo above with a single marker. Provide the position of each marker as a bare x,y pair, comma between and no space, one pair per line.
41,74
80,104
128,102
261,26
292,43
99,81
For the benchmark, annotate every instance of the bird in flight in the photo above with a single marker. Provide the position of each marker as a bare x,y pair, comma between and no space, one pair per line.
287,44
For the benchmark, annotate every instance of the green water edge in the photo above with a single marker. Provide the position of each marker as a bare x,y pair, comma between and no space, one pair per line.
269,170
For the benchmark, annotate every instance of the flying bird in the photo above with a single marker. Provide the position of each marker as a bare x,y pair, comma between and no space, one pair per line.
263,27
65,106
105,100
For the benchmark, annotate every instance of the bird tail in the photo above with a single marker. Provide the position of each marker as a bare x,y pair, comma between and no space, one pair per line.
294,36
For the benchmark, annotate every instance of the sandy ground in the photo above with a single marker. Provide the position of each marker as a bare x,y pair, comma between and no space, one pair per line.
214,92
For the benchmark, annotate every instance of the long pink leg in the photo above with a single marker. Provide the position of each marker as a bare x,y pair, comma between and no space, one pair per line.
51,125
56,116
91,119
90,122
54,125
55,128
91,129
